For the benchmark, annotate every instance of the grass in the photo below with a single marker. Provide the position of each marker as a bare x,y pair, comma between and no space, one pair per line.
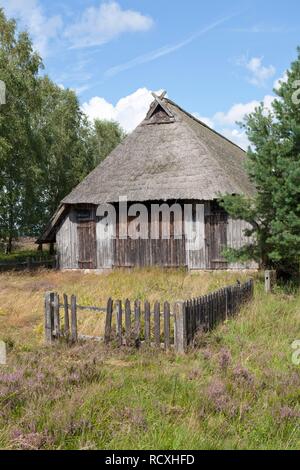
23,255
22,248
237,390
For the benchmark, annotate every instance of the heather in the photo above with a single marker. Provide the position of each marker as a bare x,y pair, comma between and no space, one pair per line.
237,389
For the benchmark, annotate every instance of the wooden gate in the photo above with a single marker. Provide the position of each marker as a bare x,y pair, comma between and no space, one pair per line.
216,240
87,257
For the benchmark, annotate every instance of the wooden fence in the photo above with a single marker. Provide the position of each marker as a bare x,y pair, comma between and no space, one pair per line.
30,264
134,323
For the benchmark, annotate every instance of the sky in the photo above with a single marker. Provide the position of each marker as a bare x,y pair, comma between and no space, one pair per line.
216,59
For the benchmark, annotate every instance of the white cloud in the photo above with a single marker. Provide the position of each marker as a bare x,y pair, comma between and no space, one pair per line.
259,73
42,29
225,122
129,111
99,25
237,136
280,80
238,111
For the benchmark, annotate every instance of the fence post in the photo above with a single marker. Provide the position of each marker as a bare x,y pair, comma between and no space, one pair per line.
270,280
167,325
73,319
66,311
49,317
157,324
147,322
226,303
108,320
127,322
137,322
180,333
56,316
119,322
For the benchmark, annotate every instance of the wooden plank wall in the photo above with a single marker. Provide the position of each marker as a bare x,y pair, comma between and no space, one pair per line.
195,239
172,252
87,246
67,242
105,245
167,253
216,240
236,239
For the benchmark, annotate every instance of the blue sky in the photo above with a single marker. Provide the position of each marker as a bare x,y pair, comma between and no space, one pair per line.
216,59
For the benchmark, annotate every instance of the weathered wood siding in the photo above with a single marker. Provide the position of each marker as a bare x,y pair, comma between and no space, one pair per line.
194,228
67,242
167,253
236,239
215,231
105,244
87,246
216,240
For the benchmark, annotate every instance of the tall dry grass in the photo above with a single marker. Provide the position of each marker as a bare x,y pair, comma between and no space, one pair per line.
22,294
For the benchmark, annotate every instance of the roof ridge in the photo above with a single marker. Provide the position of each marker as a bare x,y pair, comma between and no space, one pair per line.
203,124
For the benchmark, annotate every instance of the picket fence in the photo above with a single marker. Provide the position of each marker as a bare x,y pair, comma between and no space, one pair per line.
136,323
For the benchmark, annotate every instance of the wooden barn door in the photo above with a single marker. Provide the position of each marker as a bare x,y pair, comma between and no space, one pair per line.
87,256
216,240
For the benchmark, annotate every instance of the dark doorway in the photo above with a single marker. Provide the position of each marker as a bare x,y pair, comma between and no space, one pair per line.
216,240
87,258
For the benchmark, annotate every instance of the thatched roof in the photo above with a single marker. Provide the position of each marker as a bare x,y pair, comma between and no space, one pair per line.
170,155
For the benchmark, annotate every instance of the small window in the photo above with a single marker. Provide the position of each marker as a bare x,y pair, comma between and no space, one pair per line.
83,215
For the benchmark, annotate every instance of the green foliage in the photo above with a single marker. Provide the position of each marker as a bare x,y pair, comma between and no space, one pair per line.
19,68
23,255
62,148
273,165
47,145
106,136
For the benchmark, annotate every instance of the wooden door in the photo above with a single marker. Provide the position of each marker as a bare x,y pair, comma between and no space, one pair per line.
216,240
87,250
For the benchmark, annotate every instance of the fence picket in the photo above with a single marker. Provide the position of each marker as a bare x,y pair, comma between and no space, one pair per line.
49,320
56,316
66,316
127,322
137,322
74,335
108,320
119,331
180,327
147,321
157,324
167,325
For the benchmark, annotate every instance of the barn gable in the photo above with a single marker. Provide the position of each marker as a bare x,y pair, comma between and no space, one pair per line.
171,156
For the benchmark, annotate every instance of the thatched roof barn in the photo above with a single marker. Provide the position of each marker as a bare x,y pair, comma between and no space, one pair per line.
170,157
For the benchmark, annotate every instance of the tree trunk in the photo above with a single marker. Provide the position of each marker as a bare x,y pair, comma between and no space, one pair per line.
9,245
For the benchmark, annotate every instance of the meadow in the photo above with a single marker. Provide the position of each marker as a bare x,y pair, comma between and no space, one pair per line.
237,389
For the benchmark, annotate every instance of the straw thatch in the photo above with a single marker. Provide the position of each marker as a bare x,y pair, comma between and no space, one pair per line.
170,155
